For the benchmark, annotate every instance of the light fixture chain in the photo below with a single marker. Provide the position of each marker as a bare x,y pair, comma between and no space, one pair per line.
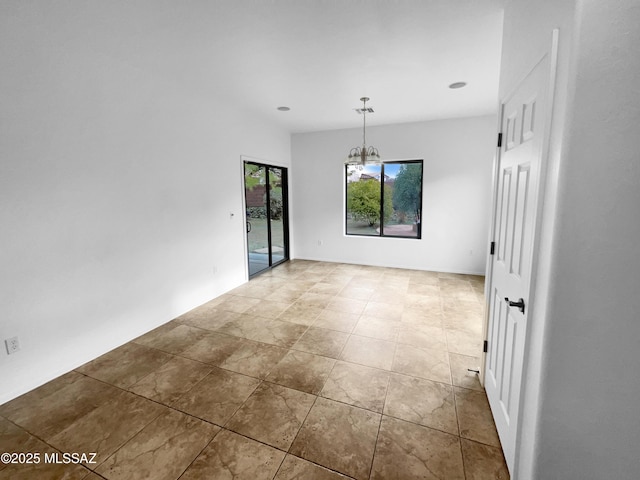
364,126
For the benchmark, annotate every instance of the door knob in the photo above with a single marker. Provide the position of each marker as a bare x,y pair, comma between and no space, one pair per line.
519,303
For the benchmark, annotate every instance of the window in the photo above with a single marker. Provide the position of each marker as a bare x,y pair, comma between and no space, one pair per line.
384,200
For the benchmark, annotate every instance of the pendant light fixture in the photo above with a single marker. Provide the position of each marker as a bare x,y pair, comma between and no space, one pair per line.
364,155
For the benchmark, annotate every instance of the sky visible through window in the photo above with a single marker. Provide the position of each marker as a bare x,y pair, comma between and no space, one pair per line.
390,169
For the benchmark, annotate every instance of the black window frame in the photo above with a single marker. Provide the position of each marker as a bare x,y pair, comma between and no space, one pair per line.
418,235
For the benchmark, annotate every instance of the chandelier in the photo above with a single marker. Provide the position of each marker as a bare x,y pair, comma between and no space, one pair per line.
364,155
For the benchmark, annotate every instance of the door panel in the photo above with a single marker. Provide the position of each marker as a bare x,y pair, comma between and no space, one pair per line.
520,220
518,172
266,215
257,232
277,215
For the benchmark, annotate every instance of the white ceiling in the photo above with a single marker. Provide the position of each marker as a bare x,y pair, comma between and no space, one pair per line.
318,57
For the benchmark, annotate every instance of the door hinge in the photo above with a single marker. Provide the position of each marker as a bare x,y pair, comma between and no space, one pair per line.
499,139
485,346
493,248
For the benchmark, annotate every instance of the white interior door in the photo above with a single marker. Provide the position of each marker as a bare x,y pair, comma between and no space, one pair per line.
523,117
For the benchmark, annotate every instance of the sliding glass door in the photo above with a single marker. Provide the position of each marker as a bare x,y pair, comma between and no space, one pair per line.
265,189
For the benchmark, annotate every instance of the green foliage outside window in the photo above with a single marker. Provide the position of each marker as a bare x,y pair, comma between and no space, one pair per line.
407,189
363,201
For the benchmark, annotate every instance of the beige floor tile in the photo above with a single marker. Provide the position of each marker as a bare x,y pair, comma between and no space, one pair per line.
322,341
312,276
338,278
109,426
277,332
419,316
268,308
474,417
48,415
259,329
162,450
217,396
389,295
333,320
233,303
273,415
302,371
211,319
243,326
368,277
252,290
423,277
93,476
367,340
285,296
386,311
464,316
297,283
347,305
427,304
44,470
333,428
463,342
376,327
424,363
321,267
423,336
326,288
460,374
300,314
24,404
172,337
422,401
472,324
357,385
12,438
405,450
483,462
369,351
171,380
459,291
355,292
125,365
254,359
294,468
462,292
427,289
232,456
214,348
310,299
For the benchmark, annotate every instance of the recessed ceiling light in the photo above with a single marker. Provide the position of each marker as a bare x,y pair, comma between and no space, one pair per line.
284,109
458,85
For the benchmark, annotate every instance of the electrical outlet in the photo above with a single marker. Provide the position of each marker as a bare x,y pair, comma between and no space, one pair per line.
12,344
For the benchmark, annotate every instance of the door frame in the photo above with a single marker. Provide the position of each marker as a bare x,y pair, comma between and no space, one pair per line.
285,196
552,54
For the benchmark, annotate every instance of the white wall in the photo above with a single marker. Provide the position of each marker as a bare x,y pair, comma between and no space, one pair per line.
579,407
117,176
590,419
457,154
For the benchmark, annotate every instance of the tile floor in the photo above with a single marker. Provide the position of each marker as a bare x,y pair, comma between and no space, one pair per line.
310,371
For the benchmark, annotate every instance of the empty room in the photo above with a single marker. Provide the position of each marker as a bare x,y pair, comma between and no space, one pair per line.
319,239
